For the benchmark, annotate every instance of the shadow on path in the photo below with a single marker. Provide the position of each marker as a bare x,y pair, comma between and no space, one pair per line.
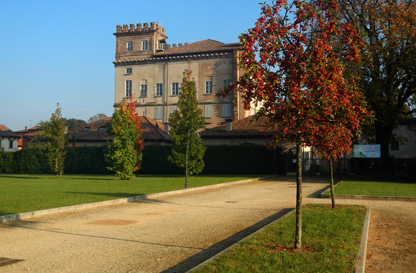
100,237
213,250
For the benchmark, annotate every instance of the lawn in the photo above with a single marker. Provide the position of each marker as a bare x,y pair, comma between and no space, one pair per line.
23,193
330,238
375,188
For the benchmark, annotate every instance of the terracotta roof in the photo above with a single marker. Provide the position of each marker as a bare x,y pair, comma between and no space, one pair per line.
6,132
200,47
97,131
245,127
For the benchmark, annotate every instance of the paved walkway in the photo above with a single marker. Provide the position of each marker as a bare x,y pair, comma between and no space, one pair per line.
146,236
170,233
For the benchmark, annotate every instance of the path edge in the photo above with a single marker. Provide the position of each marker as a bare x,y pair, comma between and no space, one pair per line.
362,252
74,208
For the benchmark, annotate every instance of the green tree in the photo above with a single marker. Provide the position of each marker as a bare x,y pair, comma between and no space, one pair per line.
53,132
188,150
97,117
123,154
73,123
387,70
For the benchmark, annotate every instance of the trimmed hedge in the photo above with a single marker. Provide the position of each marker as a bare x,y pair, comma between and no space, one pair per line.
85,160
90,160
6,162
243,159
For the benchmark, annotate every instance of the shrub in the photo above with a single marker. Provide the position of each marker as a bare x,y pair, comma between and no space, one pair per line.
6,162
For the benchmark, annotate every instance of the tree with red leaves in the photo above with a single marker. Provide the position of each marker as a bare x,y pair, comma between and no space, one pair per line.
124,151
295,75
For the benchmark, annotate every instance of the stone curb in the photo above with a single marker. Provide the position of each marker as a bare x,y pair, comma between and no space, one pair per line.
370,197
27,215
362,253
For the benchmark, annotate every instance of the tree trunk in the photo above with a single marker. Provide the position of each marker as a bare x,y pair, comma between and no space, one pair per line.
186,159
298,235
332,183
383,136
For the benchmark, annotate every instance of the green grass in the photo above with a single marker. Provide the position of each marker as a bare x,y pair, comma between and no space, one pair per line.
375,188
23,193
330,238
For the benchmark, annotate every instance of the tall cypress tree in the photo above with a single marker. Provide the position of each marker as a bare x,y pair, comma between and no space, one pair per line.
53,132
188,149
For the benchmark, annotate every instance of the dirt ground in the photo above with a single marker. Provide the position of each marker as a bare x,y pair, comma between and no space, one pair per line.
175,233
392,240
391,244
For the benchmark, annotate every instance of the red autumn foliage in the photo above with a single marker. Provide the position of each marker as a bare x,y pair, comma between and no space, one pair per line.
294,70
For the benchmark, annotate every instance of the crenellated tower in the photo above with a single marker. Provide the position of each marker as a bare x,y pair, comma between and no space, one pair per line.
139,42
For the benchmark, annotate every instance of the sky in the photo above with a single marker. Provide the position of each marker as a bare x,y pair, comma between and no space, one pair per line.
62,51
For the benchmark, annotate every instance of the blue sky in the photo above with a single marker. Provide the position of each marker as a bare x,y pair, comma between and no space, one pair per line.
62,51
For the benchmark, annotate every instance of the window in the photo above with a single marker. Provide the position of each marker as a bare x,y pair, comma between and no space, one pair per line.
159,89
175,89
10,144
173,109
226,83
208,85
158,112
226,110
145,45
129,70
128,89
129,46
143,88
161,45
85,128
208,111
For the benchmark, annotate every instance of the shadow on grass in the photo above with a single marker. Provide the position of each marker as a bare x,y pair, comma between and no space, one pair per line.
215,249
108,194
19,177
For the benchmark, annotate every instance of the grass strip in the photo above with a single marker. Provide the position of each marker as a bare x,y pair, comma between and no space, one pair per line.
330,239
375,188
24,193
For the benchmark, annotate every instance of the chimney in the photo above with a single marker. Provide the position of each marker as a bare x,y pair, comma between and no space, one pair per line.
228,125
166,127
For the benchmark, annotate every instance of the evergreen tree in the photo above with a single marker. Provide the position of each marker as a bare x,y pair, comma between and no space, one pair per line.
123,154
53,132
188,150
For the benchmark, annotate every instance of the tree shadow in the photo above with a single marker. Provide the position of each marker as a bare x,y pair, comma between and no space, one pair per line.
215,249
18,177
109,194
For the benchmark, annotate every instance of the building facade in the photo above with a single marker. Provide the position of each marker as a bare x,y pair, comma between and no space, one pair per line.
8,140
151,71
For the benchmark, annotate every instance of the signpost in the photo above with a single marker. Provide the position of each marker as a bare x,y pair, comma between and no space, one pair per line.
368,151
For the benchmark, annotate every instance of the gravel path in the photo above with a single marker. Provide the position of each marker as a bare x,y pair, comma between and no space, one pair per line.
156,234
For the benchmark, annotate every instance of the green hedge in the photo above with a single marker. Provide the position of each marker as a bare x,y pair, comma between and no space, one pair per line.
155,161
243,159
85,160
6,162
90,160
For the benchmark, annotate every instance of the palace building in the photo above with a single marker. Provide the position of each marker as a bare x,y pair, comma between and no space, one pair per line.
151,71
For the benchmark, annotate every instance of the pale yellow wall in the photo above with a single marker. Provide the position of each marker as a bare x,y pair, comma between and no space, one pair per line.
168,72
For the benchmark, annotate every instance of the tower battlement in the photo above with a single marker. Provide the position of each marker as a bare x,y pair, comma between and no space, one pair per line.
139,28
